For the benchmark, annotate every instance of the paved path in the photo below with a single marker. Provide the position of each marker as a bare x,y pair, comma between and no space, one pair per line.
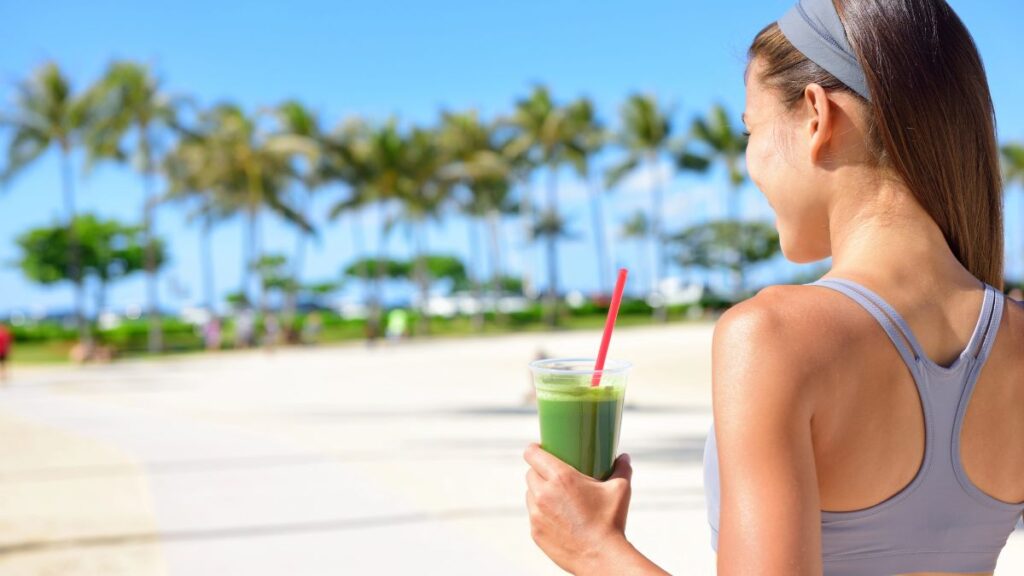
337,460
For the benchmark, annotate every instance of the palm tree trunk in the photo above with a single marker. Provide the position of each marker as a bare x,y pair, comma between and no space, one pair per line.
155,336
422,279
526,217
291,294
661,310
250,257
376,312
474,277
74,256
359,246
599,237
207,259
552,249
497,271
261,276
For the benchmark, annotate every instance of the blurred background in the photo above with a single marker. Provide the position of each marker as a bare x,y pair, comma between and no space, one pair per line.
337,181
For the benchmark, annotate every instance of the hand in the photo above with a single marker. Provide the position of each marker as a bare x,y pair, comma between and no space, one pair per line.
574,518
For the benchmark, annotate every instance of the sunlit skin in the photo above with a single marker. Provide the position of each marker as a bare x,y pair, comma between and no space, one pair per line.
786,399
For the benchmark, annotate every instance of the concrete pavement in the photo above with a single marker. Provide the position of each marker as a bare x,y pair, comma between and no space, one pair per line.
337,460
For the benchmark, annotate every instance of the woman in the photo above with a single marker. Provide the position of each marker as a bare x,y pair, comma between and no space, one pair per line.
870,422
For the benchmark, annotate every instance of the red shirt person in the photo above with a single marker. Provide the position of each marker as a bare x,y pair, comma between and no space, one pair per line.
6,338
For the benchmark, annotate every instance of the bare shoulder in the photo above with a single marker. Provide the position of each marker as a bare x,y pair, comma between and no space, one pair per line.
782,338
793,321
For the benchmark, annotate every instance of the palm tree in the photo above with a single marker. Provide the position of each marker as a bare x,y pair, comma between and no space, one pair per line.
189,180
301,127
47,114
346,161
423,197
374,169
589,138
465,139
133,109
251,173
544,130
645,136
724,145
479,162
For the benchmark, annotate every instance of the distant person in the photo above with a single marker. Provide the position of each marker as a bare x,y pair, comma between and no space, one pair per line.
398,322
6,341
212,333
869,422
271,332
311,329
243,328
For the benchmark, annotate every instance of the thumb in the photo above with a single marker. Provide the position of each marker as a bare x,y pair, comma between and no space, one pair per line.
622,469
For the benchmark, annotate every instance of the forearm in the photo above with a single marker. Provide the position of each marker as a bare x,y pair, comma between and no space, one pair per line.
619,557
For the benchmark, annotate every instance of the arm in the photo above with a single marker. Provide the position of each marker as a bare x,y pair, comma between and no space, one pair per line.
770,515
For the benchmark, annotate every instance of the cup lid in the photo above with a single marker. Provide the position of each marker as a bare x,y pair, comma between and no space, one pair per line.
578,366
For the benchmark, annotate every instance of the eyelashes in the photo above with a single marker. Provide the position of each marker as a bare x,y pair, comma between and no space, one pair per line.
747,134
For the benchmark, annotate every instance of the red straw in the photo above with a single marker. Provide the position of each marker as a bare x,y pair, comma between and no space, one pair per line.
609,324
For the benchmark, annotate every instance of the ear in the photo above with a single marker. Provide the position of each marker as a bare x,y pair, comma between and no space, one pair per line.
820,120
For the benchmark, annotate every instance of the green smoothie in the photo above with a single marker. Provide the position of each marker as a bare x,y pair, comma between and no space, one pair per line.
580,424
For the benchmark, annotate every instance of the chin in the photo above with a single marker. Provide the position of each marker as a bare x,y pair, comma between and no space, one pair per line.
798,253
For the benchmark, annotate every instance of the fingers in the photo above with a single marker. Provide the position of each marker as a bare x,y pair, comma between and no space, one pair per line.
623,468
533,481
546,465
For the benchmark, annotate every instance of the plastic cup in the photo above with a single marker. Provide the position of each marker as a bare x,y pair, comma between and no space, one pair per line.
579,423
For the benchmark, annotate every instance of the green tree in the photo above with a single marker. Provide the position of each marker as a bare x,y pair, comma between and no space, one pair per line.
135,113
108,251
49,114
645,136
727,244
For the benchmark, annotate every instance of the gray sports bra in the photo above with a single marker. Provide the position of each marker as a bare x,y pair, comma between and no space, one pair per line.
941,521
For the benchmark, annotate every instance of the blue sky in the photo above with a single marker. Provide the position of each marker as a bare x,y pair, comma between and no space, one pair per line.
413,59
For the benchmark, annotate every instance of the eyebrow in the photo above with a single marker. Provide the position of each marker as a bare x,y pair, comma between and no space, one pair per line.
743,118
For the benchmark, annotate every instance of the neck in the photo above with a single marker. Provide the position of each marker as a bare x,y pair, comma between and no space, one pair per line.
883,235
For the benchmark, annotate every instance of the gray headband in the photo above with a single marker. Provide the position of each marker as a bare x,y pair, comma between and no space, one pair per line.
813,27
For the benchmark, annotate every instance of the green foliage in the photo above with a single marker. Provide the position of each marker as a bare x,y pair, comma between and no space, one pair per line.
730,244
108,250
132,336
237,299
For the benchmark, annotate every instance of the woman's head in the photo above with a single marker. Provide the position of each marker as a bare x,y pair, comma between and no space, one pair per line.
929,125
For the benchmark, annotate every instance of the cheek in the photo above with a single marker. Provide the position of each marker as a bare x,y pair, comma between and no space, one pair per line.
762,170
800,219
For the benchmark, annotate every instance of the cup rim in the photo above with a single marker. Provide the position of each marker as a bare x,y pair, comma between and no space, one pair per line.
610,366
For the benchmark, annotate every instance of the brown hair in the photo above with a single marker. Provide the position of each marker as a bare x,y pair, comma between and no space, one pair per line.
930,119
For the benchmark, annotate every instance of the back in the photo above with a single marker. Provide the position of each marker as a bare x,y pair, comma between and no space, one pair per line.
918,443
